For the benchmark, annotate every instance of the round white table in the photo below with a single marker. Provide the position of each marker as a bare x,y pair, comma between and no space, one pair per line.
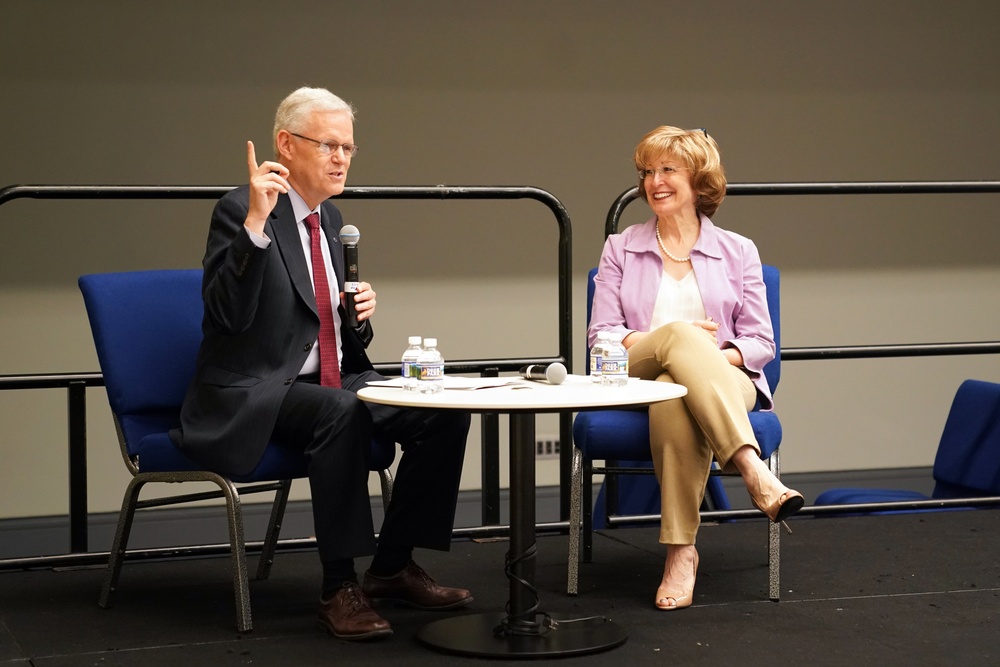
523,631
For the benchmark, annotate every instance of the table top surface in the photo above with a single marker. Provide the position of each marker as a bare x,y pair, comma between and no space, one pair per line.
512,394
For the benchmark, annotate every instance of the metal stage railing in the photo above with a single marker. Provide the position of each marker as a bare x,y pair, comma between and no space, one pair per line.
847,188
76,383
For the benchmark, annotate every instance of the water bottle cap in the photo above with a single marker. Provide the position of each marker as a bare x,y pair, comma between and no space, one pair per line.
413,340
430,342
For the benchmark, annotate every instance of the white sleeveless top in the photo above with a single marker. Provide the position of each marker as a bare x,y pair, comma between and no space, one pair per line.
677,300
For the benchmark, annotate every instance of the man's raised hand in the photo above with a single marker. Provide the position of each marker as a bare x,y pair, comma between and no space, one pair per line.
267,181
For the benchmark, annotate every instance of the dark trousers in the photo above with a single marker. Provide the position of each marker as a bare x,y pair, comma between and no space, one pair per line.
335,428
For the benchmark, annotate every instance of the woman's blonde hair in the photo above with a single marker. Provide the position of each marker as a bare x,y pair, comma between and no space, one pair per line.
699,154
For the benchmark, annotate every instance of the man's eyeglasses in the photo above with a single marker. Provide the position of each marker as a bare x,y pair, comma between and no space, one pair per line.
330,147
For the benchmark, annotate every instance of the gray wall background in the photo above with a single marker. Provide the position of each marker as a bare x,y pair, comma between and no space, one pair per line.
552,94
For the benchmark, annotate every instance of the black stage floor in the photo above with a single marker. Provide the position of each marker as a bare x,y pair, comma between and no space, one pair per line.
911,589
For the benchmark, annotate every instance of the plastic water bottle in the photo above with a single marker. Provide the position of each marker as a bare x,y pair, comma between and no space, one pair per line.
430,366
614,365
408,364
597,356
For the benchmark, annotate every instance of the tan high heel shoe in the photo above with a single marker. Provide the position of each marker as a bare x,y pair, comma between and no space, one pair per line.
785,505
681,599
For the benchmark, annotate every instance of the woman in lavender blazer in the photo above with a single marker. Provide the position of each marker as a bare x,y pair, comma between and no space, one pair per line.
689,300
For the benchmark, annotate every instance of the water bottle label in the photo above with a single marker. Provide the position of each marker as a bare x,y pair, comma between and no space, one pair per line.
431,373
595,364
405,369
614,367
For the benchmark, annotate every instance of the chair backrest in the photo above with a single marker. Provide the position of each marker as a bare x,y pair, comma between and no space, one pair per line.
968,457
772,281
147,331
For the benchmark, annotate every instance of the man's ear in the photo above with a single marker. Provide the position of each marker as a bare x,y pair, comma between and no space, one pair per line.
282,142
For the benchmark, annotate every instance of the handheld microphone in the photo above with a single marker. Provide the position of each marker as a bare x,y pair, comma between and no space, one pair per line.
554,373
349,237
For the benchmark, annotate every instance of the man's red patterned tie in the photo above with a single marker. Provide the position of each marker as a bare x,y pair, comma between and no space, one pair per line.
329,375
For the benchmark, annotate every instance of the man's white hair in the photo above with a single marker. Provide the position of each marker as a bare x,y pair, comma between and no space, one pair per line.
296,108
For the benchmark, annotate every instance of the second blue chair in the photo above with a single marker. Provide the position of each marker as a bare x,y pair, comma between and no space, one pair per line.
621,439
967,463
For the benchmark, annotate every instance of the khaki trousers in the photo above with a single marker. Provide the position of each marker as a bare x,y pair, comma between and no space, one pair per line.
685,434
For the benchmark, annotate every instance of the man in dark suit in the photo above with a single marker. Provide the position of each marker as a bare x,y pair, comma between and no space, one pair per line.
265,373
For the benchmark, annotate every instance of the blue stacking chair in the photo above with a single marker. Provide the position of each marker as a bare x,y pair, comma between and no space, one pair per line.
967,463
621,439
147,331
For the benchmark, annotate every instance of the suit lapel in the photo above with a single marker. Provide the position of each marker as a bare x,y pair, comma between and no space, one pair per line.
286,237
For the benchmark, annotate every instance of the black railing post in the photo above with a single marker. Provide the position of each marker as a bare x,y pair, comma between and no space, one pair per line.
76,393
490,464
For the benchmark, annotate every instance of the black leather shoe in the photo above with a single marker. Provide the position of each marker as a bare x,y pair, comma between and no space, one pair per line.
412,587
349,615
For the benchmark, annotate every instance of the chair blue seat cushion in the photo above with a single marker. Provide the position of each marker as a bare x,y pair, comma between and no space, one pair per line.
851,496
624,434
767,430
858,496
157,453
612,434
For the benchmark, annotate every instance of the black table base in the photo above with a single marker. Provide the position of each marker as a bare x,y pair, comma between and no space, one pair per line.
523,632
480,635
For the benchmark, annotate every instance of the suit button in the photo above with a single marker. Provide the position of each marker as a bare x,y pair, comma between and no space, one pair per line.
289,381
308,347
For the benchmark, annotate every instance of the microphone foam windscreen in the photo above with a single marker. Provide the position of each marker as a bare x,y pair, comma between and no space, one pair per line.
349,235
555,373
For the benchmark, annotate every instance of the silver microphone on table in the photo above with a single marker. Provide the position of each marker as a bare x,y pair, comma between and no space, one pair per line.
553,373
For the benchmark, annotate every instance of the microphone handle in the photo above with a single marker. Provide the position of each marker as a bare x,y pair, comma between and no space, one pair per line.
351,283
554,373
533,372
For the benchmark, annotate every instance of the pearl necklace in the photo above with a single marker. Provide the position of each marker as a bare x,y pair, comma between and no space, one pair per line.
679,260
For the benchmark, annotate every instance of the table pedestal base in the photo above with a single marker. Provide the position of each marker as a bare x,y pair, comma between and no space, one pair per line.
475,635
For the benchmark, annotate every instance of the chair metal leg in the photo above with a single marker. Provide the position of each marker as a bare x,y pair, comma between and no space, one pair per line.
118,546
774,542
575,493
385,477
273,528
774,561
588,511
241,584
611,497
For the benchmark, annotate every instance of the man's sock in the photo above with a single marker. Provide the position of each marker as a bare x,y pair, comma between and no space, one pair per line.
335,574
390,560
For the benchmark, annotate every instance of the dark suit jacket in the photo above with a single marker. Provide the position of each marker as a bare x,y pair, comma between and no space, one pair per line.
260,323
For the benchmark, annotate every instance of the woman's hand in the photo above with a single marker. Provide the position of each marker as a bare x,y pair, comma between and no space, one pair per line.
711,327
633,338
734,356
708,326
